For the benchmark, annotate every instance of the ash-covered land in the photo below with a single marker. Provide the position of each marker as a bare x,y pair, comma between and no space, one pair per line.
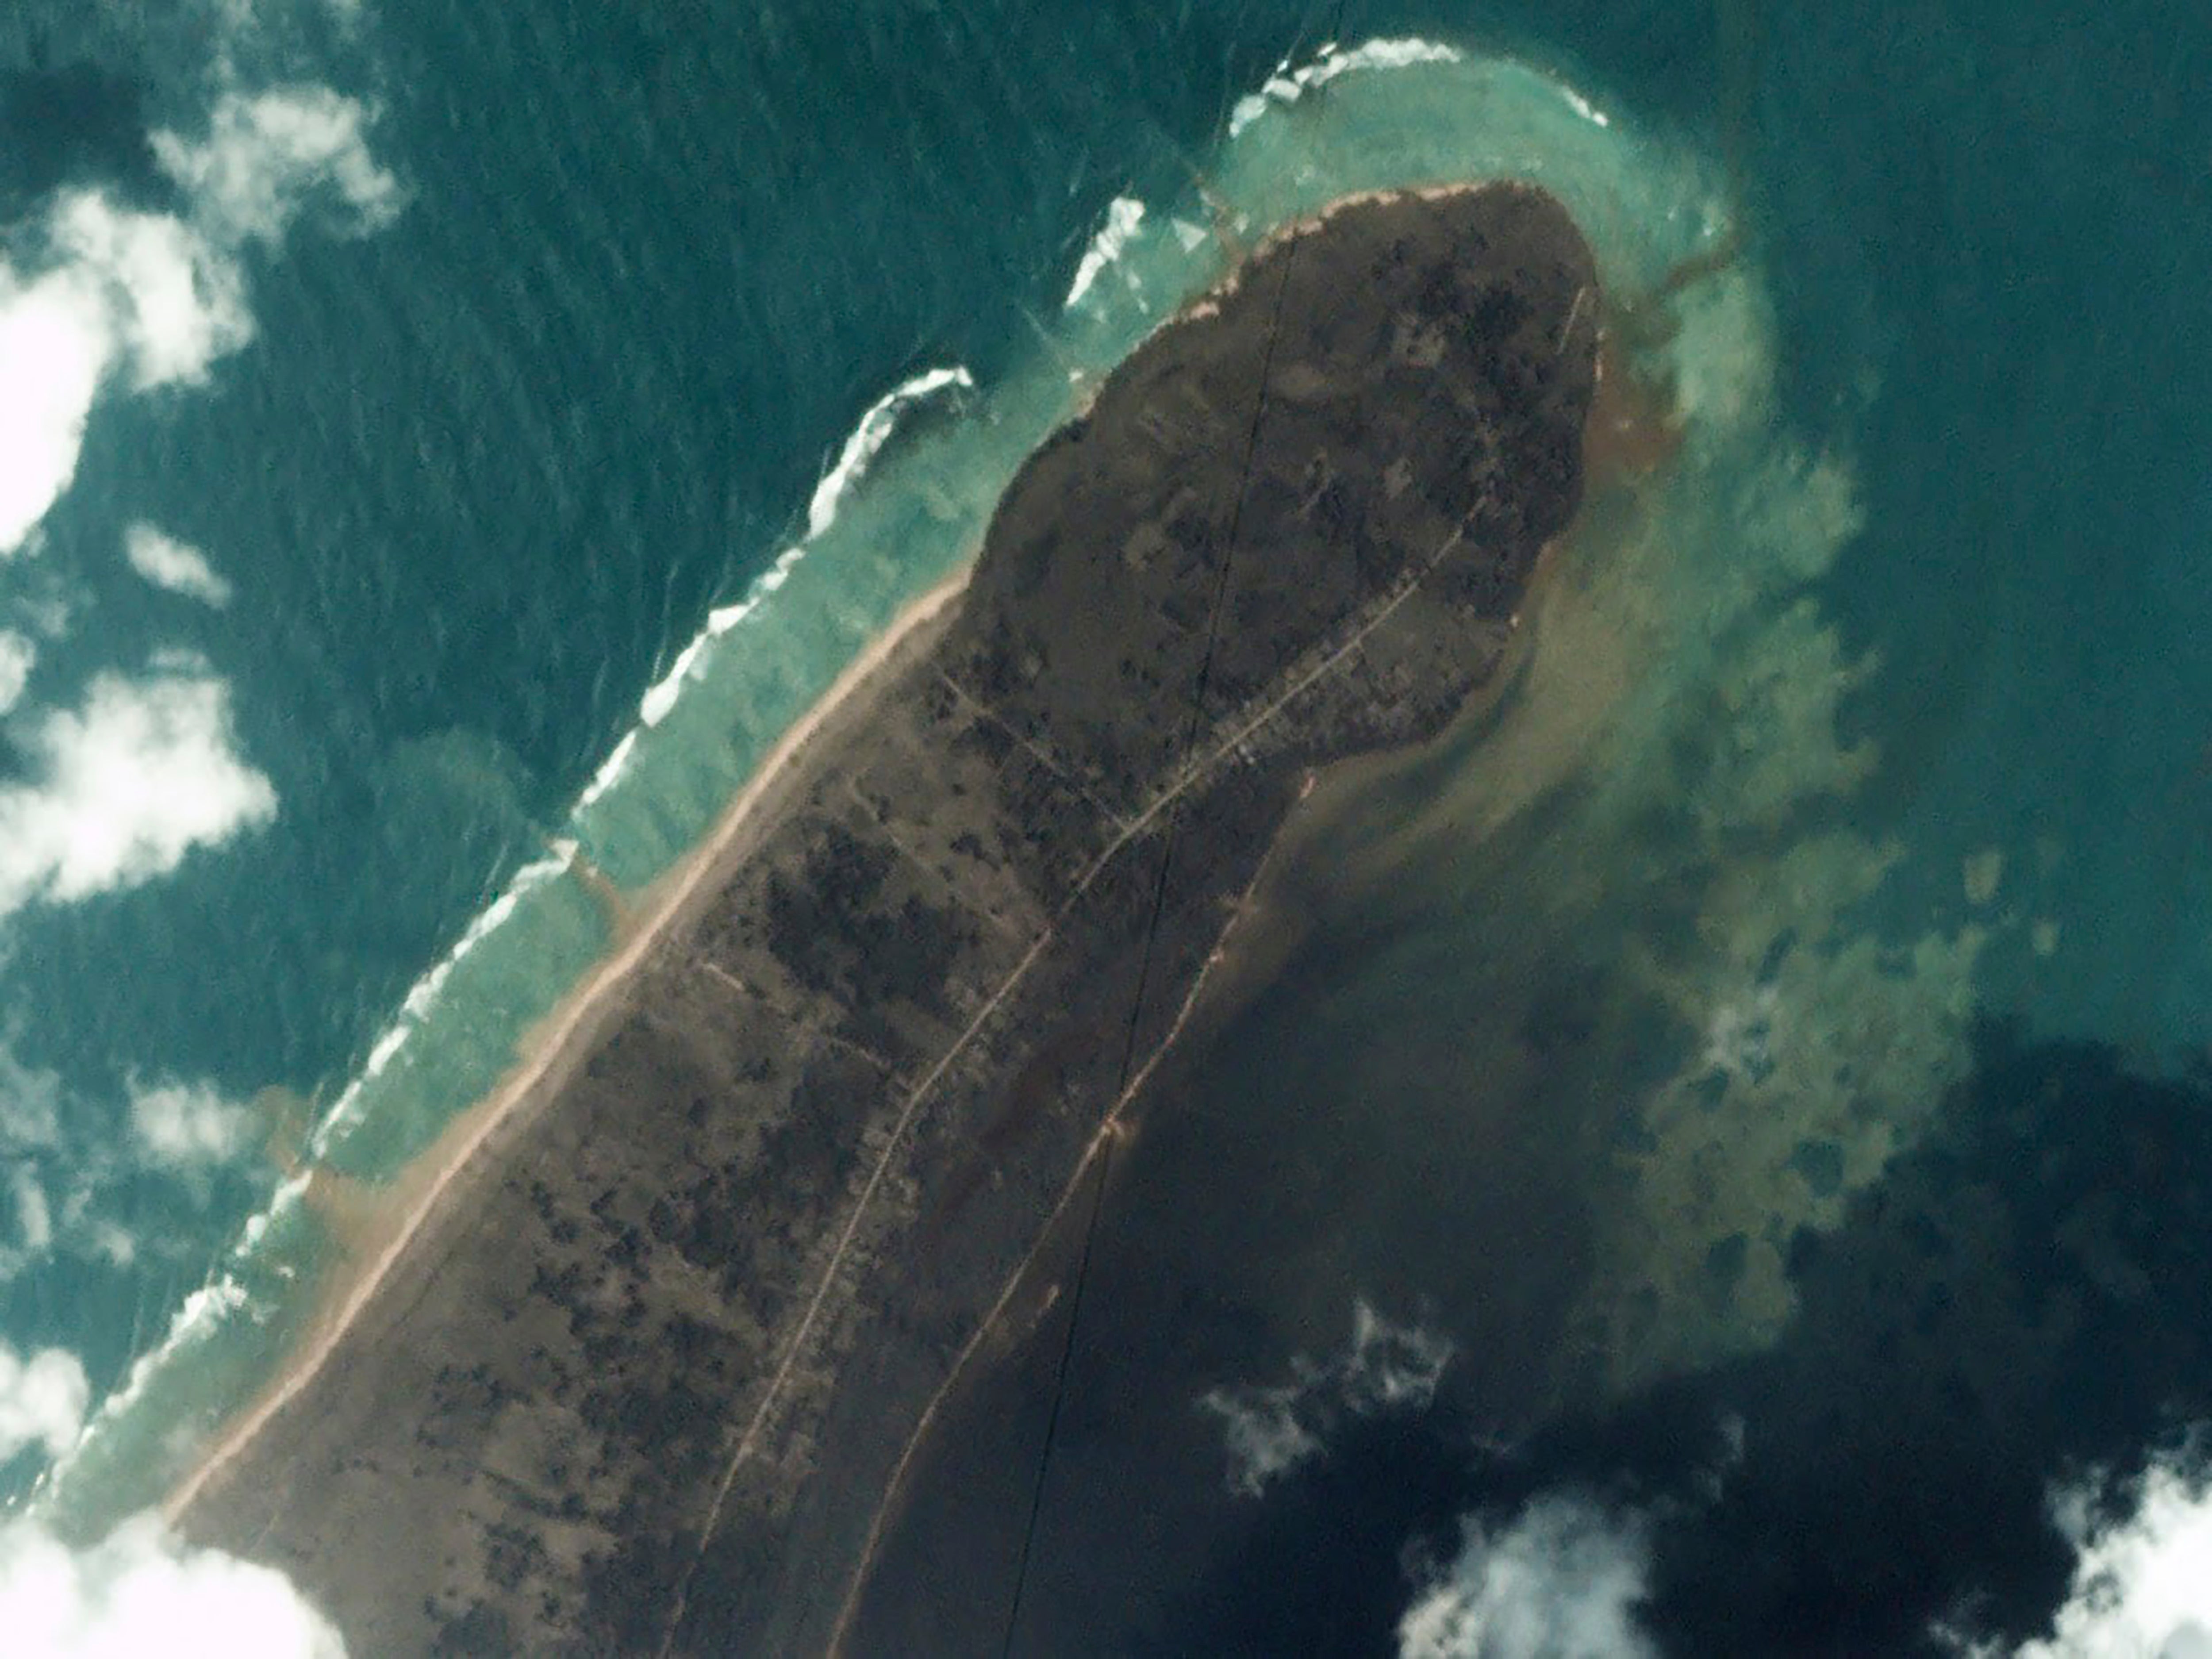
644,1385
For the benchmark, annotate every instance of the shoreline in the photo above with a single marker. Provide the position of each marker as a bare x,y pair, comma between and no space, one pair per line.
1252,945
422,1193
634,1355
546,1055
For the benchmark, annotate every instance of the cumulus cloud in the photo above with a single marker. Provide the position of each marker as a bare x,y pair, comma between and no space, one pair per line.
167,562
42,1403
245,16
2143,1587
30,1107
1269,1430
140,775
142,1590
1563,1581
188,1122
266,155
137,296
151,299
57,339
1390,1366
34,1216
170,301
17,657
1263,1432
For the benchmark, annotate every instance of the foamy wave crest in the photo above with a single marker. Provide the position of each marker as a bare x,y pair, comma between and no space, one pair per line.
723,618
1287,85
197,1320
287,1197
868,439
423,998
1583,107
1123,215
861,450
611,771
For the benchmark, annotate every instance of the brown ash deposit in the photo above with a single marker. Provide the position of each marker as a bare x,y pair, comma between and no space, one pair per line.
644,1385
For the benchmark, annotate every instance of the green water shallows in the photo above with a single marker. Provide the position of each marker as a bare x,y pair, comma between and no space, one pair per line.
225,1340
905,503
908,502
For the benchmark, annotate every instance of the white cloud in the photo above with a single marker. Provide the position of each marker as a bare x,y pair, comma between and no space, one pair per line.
17,657
57,338
2143,1587
244,16
155,300
167,562
34,1216
1269,1430
266,154
1391,1366
188,1122
141,1591
30,1106
107,1239
1264,1435
136,295
1562,1582
173,301
42,1403
141,775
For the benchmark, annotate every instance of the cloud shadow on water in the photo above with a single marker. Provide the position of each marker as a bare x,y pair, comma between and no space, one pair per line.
1323,1567
2019,1303
78,126
2027,1298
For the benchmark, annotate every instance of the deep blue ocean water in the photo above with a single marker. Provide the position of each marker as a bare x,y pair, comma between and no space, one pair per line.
491,461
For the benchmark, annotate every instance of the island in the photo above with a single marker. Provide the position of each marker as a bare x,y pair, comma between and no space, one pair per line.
639,1379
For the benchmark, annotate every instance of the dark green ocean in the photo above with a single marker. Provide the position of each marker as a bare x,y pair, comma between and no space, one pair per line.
1731,1131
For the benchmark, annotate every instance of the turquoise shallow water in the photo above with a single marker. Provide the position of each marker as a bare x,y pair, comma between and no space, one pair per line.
494,460
466,601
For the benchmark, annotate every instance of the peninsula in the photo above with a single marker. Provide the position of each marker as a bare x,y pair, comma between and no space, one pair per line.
636,1373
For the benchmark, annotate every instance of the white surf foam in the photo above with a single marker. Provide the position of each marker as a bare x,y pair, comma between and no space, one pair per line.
868,439
1124,215
861,449
197,1319
610,771
858,453
1287,85
1583,107
1543,114
422,999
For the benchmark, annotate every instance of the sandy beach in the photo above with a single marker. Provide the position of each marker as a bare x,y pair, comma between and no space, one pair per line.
630,1360
435,1183
405,1213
